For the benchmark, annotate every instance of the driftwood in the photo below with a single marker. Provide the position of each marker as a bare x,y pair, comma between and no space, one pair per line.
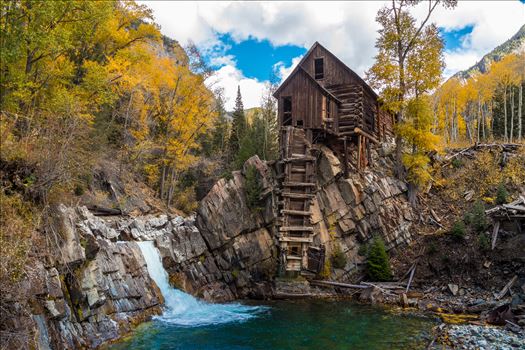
506,288
411,276
383,285
495,234
338,284
504,147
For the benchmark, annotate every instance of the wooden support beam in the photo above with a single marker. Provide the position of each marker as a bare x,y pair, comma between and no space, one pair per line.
365,134
359,152
298,195
345,165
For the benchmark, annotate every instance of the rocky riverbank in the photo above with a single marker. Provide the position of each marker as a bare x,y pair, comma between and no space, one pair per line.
474,337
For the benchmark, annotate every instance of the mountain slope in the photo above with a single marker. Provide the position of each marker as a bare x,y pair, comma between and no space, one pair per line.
514,45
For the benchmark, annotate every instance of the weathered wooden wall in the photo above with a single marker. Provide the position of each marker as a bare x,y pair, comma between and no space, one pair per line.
306,100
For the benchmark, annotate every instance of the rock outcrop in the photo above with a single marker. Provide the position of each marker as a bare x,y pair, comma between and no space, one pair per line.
349,212
230,253
88,291
346,214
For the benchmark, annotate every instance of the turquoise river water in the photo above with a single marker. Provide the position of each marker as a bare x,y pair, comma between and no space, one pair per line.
188,323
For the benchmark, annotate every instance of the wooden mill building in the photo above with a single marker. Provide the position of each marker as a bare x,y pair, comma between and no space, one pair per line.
322,101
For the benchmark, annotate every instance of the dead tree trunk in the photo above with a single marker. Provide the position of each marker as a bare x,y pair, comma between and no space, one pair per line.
511,114
520,115
505,112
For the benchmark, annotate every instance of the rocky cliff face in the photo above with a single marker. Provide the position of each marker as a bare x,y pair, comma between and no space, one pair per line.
231,252
94,286
89,290
347,213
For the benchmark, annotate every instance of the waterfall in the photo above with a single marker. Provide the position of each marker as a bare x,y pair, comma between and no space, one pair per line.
185,310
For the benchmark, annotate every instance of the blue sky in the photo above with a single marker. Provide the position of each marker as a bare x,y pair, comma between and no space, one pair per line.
246,40
257,58
454,38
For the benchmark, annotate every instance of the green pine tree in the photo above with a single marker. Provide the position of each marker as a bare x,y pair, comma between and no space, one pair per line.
378,263
219,135
238,125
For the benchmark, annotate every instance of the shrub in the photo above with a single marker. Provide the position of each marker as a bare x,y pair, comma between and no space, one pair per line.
378,264
457,163
478,217
483,242
458,231
327,268
253,189
338,258
501,194
17,222
79,190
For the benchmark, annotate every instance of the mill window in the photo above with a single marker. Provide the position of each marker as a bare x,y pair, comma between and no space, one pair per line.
287,110
319,68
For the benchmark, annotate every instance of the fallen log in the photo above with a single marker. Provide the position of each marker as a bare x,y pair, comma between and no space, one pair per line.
410,279
505,289
102,211
338,284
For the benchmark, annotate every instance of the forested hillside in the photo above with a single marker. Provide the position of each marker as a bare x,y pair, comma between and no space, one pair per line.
88,85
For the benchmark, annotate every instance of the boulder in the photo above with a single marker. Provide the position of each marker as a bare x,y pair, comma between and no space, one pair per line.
453,288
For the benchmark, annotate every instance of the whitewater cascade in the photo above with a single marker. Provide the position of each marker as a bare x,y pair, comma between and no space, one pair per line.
185,310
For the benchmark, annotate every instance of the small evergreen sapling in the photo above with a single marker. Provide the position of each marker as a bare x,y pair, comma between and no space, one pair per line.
338,258
501,194
378,263
458,231
478,217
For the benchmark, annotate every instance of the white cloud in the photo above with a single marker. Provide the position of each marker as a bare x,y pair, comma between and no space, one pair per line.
493,23
229,78
348,29
282,71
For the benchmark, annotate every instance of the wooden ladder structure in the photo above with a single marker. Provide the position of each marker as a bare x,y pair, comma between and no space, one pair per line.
297,191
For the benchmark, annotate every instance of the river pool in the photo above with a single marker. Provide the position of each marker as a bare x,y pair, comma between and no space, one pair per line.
188,323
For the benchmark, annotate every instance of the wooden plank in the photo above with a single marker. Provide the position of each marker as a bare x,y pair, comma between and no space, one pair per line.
298,195
296,228
299,159
299,184
296,212
293,257
495,234
296,239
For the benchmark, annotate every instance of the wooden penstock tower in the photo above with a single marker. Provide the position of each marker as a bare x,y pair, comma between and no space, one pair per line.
322,101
